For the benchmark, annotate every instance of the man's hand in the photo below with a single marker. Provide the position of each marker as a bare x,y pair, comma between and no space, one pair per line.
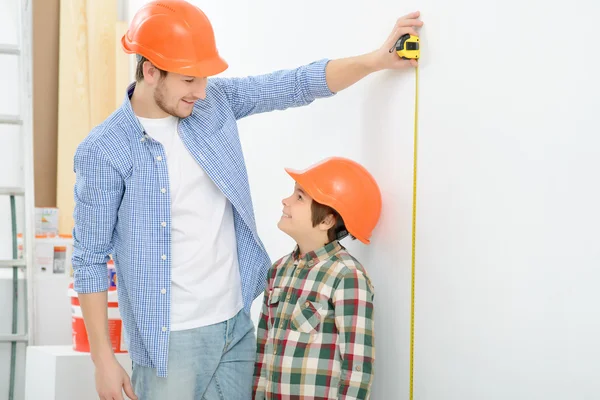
382,58
111,380
345,72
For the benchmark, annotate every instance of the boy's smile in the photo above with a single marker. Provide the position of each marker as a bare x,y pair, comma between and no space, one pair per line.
298,204
297,221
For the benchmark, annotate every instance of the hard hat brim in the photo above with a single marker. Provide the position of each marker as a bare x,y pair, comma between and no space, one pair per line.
205,68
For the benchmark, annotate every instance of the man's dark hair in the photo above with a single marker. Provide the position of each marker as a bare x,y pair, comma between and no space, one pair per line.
139,69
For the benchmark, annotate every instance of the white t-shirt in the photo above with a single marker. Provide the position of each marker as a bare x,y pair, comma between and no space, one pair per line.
205,282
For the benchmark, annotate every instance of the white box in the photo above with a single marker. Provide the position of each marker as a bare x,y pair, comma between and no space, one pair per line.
53,255
59,373
46,221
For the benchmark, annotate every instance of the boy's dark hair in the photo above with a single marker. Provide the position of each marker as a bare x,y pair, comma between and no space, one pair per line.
320,211
139,69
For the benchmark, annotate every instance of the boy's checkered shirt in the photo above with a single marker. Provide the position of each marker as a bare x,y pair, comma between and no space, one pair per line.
316,329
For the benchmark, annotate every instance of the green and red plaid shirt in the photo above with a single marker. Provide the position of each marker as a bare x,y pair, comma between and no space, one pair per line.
316,329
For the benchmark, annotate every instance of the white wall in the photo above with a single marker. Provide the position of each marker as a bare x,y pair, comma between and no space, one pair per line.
508,160
508,203
507,200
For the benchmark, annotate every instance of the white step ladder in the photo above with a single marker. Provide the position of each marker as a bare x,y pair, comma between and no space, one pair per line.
24,120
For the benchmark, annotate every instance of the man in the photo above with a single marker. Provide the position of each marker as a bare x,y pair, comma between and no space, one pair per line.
161,186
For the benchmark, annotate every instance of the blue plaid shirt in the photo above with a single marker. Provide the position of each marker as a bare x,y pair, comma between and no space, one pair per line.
122,200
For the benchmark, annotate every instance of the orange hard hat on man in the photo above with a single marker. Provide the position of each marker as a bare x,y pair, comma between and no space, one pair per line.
175,36
348,188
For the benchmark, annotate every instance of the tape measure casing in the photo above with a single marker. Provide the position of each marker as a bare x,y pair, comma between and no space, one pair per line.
407,47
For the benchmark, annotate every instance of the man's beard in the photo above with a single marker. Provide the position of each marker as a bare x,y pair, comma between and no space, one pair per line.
159,99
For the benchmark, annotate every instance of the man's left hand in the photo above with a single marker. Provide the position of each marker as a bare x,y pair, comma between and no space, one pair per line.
382,58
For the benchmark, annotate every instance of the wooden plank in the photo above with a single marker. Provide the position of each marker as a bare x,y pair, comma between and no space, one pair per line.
46,20
73,102
122,60
101,58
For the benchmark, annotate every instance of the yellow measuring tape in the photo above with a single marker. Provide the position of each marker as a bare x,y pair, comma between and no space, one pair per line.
414,228
408,47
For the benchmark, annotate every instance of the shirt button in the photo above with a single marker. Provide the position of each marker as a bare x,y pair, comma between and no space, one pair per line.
164,257
159,158
274,351
163,224
289,296
164,328
307,304
163,190
142,139
163,291
357,368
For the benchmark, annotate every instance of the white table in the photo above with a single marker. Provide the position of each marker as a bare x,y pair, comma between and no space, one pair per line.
60,373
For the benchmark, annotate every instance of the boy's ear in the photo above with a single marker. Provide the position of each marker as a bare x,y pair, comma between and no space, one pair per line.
328,222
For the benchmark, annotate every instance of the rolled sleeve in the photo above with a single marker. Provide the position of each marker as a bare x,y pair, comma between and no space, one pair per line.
316,81
97,194
278,90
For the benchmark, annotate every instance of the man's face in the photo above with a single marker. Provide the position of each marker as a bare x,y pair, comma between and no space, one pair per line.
176,94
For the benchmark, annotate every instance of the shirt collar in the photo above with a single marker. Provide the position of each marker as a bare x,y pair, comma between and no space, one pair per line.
321,254
202,107
127,110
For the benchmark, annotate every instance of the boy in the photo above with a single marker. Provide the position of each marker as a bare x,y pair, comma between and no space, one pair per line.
316,329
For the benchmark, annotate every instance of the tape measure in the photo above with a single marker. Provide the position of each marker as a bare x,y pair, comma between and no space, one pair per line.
414,229
407,47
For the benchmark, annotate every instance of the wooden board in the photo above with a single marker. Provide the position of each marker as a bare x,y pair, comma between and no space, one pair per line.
122,61
101,58
73,102
87,74
46,20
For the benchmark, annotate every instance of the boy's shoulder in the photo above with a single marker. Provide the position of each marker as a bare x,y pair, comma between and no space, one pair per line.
345,265
278,264
340,265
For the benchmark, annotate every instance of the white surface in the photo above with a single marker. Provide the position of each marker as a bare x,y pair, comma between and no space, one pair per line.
59,373
11,162
507,262
9,82
52,303
53,310
508,215
508,254
9,18
12,172
6,299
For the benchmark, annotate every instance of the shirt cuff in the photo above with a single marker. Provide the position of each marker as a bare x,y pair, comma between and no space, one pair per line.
317,82
91,279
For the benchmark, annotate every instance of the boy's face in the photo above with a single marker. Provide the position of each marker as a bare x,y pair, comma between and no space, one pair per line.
296,219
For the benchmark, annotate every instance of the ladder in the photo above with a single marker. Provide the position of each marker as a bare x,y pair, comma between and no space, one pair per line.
24,121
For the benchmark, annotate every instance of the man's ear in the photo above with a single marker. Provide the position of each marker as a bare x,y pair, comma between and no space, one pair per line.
151,74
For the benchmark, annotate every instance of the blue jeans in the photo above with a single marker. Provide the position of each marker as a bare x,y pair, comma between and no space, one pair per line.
215,362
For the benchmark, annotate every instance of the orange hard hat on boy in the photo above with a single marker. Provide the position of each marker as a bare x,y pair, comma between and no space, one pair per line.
175,36
348,188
